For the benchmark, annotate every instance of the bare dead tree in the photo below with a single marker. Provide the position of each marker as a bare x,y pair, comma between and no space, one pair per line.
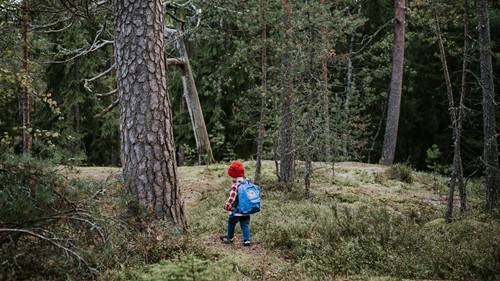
457,173
190,94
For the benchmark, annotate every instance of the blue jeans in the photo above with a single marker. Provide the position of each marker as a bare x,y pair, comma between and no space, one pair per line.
244,224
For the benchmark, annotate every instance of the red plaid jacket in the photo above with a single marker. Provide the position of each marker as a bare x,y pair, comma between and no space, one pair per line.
233,192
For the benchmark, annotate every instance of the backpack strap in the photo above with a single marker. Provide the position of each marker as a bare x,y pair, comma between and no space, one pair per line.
234,211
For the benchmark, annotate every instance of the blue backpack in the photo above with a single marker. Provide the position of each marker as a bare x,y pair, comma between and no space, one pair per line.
248,197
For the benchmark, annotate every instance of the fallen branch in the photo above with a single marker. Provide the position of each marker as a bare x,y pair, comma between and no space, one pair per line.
51,241
92,225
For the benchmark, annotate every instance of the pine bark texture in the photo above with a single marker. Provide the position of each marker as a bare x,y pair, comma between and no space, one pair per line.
489,124
394,107
147,146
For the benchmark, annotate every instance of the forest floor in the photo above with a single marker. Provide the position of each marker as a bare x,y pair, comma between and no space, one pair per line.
349,178
194,184
350,181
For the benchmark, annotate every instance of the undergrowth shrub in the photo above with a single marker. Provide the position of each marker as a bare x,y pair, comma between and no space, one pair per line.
187,267
401,172
340,239
57,228
45,230
66,229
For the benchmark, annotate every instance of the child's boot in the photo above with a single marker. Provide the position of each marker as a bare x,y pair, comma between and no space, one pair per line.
226,239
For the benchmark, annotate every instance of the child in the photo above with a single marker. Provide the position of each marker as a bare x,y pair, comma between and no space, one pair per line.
237,173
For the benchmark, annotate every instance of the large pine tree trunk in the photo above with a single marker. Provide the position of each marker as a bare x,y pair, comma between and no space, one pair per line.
148,154
286,129
489,124
391,129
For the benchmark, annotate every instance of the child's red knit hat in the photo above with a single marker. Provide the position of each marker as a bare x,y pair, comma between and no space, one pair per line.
236,169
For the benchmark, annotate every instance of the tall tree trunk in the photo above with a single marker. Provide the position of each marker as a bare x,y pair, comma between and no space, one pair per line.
75,146
326,97
461,112
391,129
286,129
260,140
205,155
348,88
348,94
457,173
115,152
310,107
25,100
489,124
148,154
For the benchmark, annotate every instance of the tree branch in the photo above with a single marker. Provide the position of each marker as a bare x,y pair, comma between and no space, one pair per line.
86,81
96,44
197,12
176,61
371,37
107,109
107,94
50,25
176,5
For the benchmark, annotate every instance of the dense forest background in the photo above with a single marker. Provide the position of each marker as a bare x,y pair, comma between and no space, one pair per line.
99,99
70,80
